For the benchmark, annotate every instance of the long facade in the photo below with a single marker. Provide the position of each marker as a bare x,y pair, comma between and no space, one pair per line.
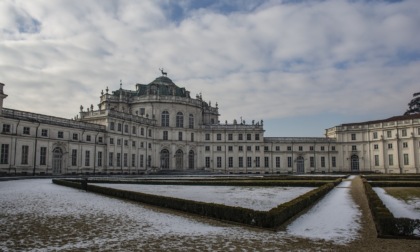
160,127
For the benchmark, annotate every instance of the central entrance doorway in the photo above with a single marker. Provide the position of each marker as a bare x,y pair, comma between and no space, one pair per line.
354,163
300,162
164,159
57,161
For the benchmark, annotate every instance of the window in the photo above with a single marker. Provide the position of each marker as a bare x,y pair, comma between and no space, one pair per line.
207,162
112,126
142,111
165,135
87,158
277,162
133,160
88,138
240,137
141,160
230,162
207,148
118,141
322,161
142,131
111,159
150,145
333,148
75,136
219,137
73,157
241,162
289,148
257,161
133,130
322,148
6,128
353,147
376,160
26,130
179,136
4,155
125,142
230,148
165,119
219,162
266,162
241,148
277,148
125,159
230,136
405,145
406,161
60,134
192,137
248,148
353,137
141,145
219,148
300,148
179,120
265,148
257,148
118,159
390,146
404,132
191,121
99,158
249,161
25,154
133,143
150,133
257,137
111,141
126,128
149,161
207,137
289,161
375,146
389,134
248,137
43,156
390,160
100,139
311,148
44,132
311,162
375,135
119,127
333,161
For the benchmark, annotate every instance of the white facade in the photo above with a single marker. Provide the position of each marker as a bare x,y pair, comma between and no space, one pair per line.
159,127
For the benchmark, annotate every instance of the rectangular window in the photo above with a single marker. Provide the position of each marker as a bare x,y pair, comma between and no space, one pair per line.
240,148
25,154
141,145
257,161
230,162
266,162
249,148
375,146
75,136
150,133
207,137
219,148
241,162
6,128
277,162
43,156
389,134
248,137
207,148
99,158
230,136
142,111
390,160
353,147
219,137
126,128
333,148
333,161
125,159
150,145
277,148
249,161
322,161
141,160
165,135
311,148
353,137
125,142
406,160
376,160
133,143
257,148
73,157
142,131
257,137
118,159
149,161
4,155
88,138
60,134
118,141
192,137
207,162
230,148
111,159
289,148
179,136
300,148
322,148
111,141
311,162
266,148
240,137
405,145
390,146
404,132
120,127
112,126
289,161
133,160
375,135
100,139
134,130
26,130
87,158
44,132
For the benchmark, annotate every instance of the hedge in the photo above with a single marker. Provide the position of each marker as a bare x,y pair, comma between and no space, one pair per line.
387,226
265,219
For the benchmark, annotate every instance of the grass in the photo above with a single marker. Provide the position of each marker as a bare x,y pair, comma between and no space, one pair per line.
404,193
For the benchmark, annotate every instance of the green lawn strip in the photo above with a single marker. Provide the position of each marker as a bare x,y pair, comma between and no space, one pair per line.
403,193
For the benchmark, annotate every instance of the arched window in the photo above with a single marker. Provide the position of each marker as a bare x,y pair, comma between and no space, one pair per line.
191,121
164,159
191,160
165,119
179,160
179,120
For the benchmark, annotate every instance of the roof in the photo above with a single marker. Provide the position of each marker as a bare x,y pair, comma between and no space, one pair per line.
391,119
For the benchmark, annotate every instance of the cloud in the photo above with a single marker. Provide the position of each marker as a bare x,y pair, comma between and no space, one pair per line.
274,59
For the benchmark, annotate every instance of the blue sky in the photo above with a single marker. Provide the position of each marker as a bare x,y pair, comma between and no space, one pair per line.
301,66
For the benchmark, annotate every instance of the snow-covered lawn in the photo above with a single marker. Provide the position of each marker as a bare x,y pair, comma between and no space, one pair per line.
256,198
37,215
399,208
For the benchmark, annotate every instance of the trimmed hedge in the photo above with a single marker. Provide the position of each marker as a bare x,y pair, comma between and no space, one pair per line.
386,224
271,219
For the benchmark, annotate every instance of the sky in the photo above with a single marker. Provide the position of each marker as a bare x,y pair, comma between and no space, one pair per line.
300,66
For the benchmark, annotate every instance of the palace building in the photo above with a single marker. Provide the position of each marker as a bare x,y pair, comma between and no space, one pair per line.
159,127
